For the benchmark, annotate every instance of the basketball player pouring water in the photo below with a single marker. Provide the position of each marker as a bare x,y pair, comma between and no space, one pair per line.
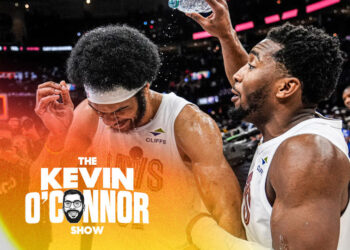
176,149
296,194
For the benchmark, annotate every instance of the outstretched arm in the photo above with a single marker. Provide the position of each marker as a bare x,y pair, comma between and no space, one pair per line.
199,138
218,24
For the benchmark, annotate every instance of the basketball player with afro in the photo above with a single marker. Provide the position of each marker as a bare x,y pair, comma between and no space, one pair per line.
123,120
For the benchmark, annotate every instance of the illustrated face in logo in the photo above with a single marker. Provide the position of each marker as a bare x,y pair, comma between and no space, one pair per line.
73,205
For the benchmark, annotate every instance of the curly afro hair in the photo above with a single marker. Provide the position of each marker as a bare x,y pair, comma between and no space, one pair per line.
112,56
310,55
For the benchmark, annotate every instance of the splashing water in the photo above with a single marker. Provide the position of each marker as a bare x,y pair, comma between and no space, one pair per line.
188,6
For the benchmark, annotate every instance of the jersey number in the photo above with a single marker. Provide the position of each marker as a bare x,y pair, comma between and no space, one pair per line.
246,200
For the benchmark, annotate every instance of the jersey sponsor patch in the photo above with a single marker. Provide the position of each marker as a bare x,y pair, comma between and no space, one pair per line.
264,160
158,132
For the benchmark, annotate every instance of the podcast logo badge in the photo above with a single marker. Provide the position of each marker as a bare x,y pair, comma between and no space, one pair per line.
96,204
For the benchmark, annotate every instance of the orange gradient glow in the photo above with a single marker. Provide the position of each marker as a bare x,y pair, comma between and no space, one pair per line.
3,107
173,201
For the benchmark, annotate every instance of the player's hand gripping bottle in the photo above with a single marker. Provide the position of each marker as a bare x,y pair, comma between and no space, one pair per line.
189,6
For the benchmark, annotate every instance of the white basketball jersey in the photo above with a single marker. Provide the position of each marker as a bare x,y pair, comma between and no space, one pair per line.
159,171
256,209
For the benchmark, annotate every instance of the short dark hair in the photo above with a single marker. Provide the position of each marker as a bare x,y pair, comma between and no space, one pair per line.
74,191
111,56
310,55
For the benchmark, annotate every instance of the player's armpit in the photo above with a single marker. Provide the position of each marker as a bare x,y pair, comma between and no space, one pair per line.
309,176
199,138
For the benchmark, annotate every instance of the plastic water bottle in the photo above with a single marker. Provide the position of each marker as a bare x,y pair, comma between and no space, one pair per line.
188,6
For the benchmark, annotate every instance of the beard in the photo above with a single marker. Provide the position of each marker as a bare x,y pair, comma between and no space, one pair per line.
141,103
254,113
70,215
141,110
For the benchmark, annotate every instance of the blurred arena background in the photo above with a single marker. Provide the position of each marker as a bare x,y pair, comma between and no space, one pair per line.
36,38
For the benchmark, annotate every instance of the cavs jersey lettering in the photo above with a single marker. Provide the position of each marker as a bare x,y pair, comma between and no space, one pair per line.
159,171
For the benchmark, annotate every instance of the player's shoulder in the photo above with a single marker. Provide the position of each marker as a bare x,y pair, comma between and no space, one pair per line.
85,120
84,111
307,157
310,147
83,106
197,131
197,134
192,118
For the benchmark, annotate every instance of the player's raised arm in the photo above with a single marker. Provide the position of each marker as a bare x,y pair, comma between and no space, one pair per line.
310,194
68,130
199,138
57,118
218,24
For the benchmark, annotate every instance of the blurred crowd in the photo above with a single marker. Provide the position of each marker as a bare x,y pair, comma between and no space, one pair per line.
22,137
192,69
20,141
